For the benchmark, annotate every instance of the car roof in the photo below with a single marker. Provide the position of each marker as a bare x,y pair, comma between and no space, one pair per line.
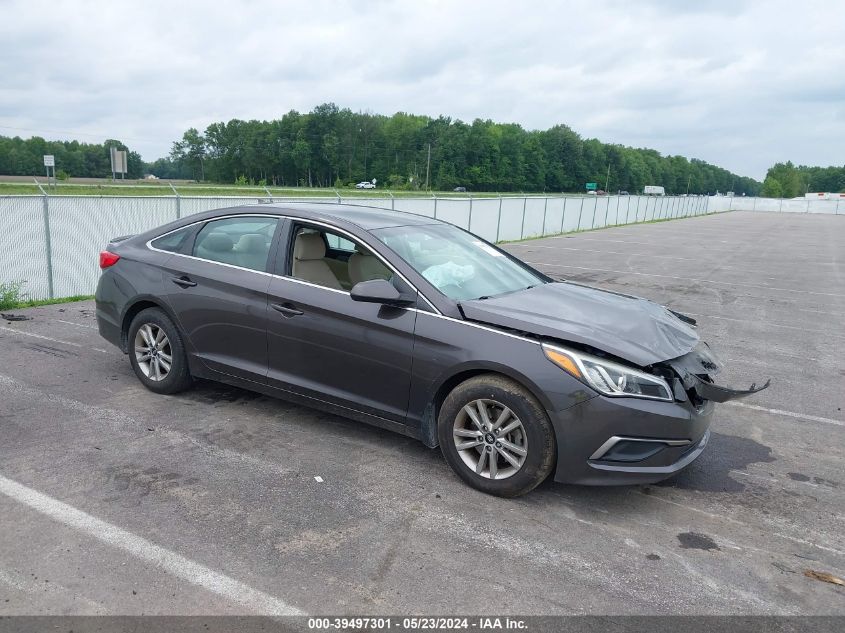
367,218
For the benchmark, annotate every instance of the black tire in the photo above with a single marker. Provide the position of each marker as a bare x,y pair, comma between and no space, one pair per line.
178,377
539,434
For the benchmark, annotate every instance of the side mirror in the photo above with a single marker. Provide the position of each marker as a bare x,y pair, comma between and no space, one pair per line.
378,291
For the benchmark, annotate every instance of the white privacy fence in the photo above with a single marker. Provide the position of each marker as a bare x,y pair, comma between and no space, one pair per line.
778,205
51,242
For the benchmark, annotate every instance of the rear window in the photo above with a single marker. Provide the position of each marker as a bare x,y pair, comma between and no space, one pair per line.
172,242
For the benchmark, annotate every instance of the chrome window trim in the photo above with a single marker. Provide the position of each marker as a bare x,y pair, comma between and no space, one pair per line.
211,261
286,277
483,327
150,246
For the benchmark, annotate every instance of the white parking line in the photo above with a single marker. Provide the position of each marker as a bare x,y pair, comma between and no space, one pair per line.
52,340
119,420
659,243
789,414
655,256
704,281
728,519
90,327
141,548
765,323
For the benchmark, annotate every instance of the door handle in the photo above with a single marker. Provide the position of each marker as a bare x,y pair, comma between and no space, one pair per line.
287,310
184,282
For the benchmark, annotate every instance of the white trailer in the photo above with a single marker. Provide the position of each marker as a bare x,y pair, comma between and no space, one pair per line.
654,190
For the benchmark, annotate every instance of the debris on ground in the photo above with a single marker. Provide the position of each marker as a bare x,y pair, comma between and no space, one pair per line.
318,479
824,577
15,317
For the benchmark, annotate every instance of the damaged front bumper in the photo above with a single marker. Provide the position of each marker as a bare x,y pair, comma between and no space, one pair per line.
622,441
696,369
619,441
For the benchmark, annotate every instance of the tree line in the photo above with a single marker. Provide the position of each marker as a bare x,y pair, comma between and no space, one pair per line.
25,157
785,180
330,146
335,147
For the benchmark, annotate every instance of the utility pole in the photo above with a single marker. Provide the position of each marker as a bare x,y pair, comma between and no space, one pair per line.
688,182
428,168
607,181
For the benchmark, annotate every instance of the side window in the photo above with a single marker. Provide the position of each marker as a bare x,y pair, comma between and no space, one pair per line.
344,265
243,241
339,243
172,242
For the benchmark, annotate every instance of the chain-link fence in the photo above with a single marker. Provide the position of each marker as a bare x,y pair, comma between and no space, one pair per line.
51,242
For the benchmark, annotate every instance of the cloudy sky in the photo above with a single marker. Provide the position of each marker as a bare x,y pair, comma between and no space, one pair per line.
739,83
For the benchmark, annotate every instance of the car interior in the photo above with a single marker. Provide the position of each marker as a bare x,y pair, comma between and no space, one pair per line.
329,260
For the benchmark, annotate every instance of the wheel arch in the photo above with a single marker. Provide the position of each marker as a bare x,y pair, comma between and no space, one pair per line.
444,386
134,308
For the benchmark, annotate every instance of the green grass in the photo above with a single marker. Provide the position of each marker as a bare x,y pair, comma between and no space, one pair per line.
12,297
34,303
11,294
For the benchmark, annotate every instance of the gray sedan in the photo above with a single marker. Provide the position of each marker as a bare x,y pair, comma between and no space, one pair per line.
420,327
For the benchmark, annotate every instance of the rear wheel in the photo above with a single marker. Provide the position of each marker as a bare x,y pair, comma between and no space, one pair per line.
157,353
496,436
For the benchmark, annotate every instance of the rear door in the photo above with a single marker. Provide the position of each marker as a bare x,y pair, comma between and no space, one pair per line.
324,345
218,290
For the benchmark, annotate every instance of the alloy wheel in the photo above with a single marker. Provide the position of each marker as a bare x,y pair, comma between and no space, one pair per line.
153,352
490,439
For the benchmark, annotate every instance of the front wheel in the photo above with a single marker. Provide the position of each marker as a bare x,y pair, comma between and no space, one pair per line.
496,436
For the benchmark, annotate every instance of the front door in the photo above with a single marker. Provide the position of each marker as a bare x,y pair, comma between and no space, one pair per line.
324,345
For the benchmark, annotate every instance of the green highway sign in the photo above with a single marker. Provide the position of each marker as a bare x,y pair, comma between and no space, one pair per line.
592,186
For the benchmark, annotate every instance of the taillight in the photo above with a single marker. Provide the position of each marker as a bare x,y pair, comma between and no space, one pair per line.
107,258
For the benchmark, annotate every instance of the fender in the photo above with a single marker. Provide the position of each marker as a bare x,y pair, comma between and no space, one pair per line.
160,303
461,372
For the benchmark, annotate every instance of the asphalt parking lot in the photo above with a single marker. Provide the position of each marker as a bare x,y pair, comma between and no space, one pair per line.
217,501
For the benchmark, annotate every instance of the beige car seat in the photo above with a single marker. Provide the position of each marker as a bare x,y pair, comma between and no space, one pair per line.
308,263
216,247
364,267
251,251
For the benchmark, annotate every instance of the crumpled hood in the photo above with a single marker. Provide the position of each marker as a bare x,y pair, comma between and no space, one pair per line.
635,329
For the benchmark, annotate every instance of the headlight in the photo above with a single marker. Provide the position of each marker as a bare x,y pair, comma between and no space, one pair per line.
609,378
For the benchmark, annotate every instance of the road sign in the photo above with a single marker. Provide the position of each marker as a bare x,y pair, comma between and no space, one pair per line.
49,160
592,186
118,161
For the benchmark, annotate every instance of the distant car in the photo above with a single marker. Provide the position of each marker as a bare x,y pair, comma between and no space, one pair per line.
624,193
601,192
591,193
460,189
365,185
